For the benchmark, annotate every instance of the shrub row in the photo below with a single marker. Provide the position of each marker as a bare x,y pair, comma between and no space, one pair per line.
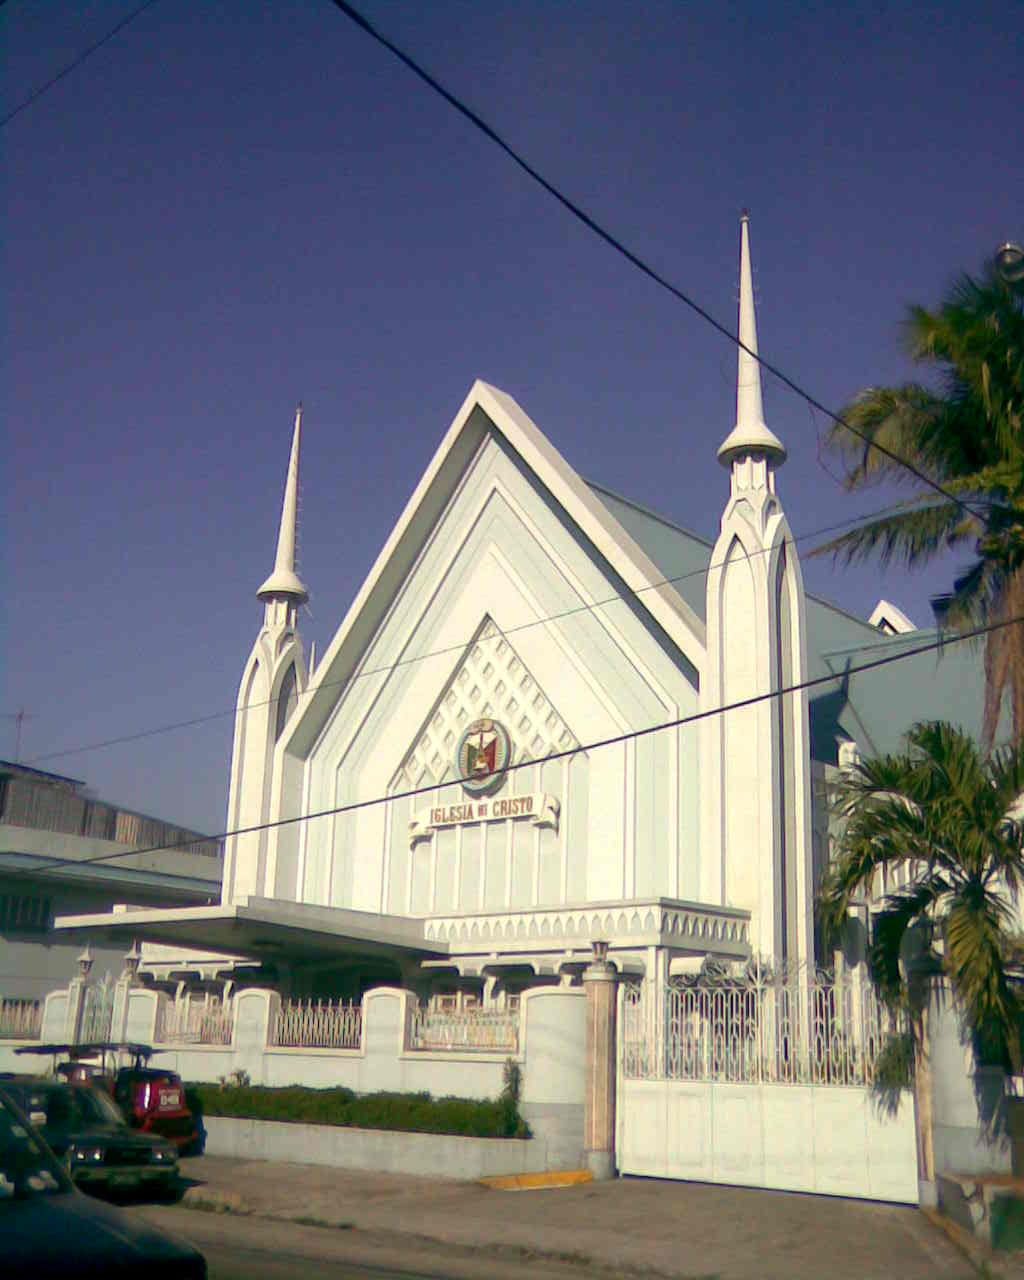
404,1112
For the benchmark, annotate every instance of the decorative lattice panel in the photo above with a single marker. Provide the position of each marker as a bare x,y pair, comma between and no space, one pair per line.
490,680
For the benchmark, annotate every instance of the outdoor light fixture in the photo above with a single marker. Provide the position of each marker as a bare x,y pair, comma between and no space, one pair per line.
1010,262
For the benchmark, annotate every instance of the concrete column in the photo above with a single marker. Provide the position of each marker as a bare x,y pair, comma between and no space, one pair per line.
599,984
122,995
77,989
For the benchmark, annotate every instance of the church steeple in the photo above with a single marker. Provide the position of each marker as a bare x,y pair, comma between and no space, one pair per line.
275,677
284,584
755,776
750,437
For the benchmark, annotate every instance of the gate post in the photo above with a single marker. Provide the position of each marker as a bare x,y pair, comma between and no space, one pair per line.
122,994
77,990
599,980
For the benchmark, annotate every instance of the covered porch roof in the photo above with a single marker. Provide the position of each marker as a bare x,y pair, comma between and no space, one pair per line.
264,929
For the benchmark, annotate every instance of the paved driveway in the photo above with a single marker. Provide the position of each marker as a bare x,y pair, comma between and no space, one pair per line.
632,1224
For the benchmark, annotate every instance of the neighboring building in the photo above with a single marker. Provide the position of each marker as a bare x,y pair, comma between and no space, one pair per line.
471,786
56,839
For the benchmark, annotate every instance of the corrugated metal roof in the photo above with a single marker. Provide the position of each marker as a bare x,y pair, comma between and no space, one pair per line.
875,708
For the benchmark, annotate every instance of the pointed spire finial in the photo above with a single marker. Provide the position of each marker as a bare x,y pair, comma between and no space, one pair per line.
284,581
750,434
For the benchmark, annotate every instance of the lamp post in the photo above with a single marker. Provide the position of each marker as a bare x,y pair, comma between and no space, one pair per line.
1010,262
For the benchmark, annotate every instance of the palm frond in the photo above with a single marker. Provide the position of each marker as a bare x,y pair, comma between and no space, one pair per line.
975,929
899,912
968,437
912,537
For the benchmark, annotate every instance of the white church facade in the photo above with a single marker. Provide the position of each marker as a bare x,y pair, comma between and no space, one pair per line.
519,741
557,746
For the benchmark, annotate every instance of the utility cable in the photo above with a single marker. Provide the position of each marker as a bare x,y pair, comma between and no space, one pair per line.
590,222
813,683
210,716
75,62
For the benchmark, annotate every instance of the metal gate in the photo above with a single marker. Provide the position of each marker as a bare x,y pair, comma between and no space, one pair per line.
97,1013
762,1079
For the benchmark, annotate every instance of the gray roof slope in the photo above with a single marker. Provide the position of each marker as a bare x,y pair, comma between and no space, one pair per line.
875,707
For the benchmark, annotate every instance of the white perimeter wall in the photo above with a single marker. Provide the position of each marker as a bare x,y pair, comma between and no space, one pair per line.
826,1139
550,1052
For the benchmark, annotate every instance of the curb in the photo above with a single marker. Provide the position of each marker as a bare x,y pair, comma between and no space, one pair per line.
979,1255
538,1181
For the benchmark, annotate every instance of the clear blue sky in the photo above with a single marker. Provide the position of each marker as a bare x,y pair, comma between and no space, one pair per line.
232,207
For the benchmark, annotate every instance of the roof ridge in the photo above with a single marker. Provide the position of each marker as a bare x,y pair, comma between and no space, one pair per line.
646,511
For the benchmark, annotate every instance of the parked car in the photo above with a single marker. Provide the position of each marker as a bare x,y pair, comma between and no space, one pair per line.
83,1127
50,1231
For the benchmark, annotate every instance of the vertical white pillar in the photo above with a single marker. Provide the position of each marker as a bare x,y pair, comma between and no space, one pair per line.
599,983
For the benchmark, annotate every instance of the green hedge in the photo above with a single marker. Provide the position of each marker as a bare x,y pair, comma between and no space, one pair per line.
405,1112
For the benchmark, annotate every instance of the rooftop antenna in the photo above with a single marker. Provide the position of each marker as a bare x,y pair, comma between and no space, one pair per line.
19,717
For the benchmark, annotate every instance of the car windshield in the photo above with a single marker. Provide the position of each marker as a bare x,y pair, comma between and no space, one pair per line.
27,1169
71,1106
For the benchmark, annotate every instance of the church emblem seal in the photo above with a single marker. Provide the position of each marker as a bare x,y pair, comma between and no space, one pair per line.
482,756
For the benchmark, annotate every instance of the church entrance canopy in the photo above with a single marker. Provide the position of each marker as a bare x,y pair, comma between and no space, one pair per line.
267,930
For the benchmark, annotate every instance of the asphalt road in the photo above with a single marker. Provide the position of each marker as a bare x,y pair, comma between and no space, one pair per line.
241,1248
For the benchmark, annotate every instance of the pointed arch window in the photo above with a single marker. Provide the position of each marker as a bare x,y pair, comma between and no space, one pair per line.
286,699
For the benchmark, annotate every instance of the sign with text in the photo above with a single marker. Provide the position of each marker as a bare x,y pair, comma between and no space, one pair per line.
542,809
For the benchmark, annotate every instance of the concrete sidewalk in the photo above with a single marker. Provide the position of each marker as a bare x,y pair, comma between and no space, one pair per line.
631,1226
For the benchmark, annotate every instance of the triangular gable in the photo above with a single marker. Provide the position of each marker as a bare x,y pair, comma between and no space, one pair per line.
484,410
489,680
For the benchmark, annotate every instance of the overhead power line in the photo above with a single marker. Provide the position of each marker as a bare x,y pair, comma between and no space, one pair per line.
739,705
615,243
75,62
210,716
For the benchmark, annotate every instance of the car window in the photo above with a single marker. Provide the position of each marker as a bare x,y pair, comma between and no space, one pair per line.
27,1169
99,1106
70,1106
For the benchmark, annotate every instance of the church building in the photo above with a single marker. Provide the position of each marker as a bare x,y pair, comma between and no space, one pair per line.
549,718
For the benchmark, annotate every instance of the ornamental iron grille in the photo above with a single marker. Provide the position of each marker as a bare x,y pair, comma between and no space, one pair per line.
21,1019
480,1029
320,1024
795,1025
195,1022
97,1012
635,1031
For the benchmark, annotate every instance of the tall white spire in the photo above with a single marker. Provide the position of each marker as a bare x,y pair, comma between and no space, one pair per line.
750,436
284,581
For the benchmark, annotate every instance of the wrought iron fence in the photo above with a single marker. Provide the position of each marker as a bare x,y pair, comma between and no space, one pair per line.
97,1012
21,1019
790,1027
191,1023
494,1030
320,1024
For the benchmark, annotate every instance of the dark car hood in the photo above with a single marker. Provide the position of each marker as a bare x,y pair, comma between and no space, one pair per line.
105,1135
68,1235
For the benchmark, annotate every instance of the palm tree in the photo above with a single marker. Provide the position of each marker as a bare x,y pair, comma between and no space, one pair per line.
968,438
941,820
